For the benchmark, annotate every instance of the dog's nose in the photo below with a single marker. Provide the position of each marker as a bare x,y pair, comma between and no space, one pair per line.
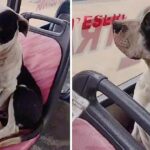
117,26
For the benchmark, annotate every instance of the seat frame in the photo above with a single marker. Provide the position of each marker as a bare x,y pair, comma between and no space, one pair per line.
86,84
63,38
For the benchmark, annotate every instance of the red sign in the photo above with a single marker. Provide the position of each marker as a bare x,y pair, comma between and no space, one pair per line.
95,22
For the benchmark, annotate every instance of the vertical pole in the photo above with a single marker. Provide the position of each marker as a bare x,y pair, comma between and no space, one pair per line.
14,4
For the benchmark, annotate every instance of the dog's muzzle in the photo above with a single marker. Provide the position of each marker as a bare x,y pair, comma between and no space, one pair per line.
123,45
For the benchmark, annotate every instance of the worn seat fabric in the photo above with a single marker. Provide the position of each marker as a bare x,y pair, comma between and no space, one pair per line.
86,137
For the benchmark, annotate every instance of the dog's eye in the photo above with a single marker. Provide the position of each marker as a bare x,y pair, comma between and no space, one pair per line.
124,28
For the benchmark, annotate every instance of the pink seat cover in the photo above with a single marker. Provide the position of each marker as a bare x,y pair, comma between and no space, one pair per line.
86,137
42,57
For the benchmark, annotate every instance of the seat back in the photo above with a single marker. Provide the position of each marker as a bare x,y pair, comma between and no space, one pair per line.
58,40
41,55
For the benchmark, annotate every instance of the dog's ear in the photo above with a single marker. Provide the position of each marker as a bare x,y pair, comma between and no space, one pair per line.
146,21
23,25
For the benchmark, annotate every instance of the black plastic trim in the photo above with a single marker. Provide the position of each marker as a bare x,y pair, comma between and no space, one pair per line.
127,87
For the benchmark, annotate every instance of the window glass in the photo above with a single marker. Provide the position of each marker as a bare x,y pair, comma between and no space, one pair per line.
93,45
3,2
44,7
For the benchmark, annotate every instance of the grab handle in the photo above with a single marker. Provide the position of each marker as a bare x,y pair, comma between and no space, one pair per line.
61,23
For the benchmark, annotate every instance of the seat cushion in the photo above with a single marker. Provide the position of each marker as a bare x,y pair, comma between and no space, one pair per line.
42,57
86,137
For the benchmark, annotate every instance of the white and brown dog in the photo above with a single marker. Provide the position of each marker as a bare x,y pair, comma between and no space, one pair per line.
132,37
19,111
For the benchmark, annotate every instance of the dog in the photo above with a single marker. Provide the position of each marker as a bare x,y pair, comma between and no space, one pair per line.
10,51
24,110
132,37
12,96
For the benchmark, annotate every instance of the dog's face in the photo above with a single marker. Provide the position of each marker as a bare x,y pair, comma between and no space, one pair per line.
10,24
133,37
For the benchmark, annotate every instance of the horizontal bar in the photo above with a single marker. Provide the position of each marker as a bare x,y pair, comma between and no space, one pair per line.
59,22
102,120
130,106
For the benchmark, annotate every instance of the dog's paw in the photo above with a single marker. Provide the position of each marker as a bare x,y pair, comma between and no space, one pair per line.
8,131
10,141
135,133
16,129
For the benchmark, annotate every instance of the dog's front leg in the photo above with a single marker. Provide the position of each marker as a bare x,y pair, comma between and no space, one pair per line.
11,127
135,133
141,136
5,94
